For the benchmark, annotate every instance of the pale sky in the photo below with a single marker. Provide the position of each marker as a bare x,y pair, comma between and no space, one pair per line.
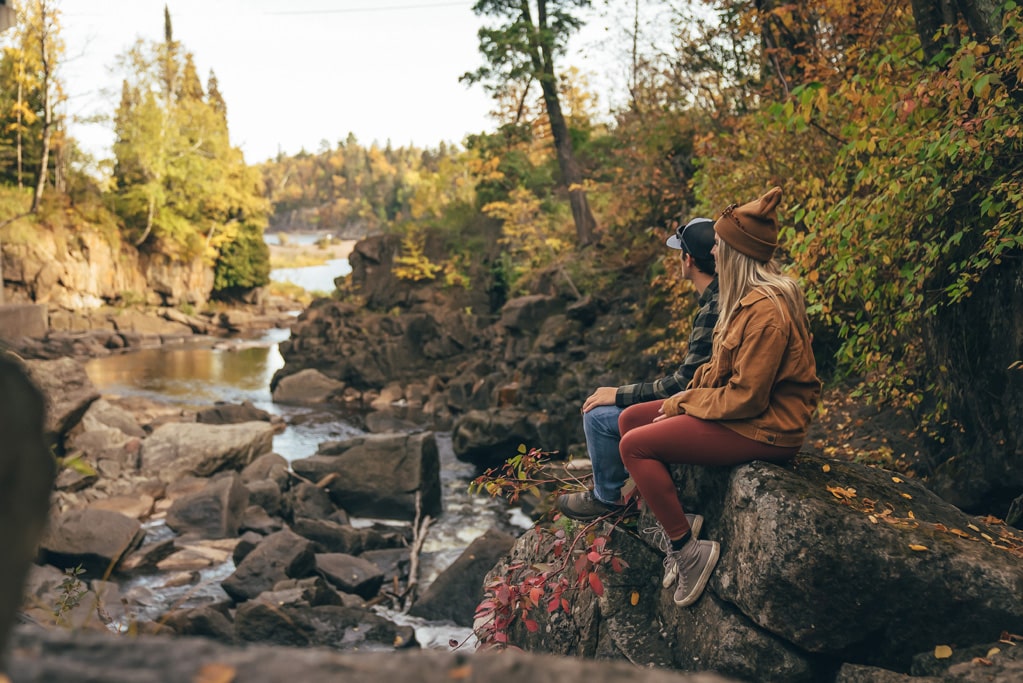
296,72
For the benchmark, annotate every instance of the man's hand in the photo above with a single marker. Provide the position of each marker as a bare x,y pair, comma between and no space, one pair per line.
601,396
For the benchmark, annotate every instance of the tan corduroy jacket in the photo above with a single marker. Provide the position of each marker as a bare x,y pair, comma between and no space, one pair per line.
761,380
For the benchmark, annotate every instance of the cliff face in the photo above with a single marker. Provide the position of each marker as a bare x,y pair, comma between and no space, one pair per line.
82,269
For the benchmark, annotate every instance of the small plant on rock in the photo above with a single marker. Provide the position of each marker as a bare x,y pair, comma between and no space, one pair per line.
71,591
579,556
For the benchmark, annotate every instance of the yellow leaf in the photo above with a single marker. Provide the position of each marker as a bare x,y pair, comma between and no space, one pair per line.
896,480
974,527
988,537
841,493
906,495
215,673
826,468
916,547
634,598
960,533
993,651
942,652
911,515
872,518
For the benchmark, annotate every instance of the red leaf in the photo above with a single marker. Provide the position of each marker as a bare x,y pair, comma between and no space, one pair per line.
565,606
536,594
531,625
599,543
553,605
593,556
616,564
595,584
501,637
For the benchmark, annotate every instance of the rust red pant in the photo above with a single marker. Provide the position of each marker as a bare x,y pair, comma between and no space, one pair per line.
648,447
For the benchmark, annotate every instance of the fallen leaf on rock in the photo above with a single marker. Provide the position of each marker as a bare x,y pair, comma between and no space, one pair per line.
842,493
215,673
634,598
993,651
826,468
896,480
981,660
917,547
907,496
942,652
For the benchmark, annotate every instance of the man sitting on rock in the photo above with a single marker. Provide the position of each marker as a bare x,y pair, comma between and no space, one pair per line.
601,409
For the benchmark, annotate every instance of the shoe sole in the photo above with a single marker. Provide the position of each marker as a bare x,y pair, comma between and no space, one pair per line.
701,583
695,526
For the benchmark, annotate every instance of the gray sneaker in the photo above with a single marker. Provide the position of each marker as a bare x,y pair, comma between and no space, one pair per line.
693,564
656,537
584,506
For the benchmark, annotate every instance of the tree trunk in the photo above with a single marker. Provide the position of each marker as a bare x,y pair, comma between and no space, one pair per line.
978,341
983,17
44,162
571,174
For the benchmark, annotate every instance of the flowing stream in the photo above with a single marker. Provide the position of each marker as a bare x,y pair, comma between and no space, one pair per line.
201,373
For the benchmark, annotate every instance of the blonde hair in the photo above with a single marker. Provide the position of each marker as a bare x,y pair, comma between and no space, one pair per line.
738,274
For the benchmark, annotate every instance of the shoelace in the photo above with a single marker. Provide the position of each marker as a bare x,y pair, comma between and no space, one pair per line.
657,537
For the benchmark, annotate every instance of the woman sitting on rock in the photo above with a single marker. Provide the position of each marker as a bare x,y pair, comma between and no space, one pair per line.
752,401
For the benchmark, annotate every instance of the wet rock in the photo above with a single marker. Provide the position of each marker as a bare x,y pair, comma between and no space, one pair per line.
350,574
283,555
215,511
228,413
379,475
174,450
68,392
307,500
455,593
94,539
307,387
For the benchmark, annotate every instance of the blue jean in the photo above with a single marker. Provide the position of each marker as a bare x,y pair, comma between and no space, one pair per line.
602,436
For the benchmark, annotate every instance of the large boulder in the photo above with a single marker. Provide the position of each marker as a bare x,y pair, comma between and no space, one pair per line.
486,438
177,449
68,391
455,593
61,655
26,476
379,475
823,562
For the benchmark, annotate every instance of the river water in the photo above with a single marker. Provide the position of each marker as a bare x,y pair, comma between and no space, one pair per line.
200,373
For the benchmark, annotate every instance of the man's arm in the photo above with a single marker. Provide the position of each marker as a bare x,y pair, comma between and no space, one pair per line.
701,343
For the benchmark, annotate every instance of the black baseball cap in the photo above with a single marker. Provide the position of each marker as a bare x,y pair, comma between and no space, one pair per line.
695,237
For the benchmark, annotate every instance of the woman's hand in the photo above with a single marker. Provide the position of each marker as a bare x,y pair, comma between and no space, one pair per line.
672,406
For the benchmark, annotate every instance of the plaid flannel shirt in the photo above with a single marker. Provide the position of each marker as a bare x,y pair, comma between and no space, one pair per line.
701,341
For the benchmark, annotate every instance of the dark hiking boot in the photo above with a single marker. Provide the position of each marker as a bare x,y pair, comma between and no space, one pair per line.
584,506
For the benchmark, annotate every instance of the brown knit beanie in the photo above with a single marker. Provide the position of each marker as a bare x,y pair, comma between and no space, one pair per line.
750,229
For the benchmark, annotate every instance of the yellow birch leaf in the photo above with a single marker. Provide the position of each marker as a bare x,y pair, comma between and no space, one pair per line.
942,652
993,651
974,527
906,495
987,537
634,598
917,547
911,515
825,468
896,480
872,518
